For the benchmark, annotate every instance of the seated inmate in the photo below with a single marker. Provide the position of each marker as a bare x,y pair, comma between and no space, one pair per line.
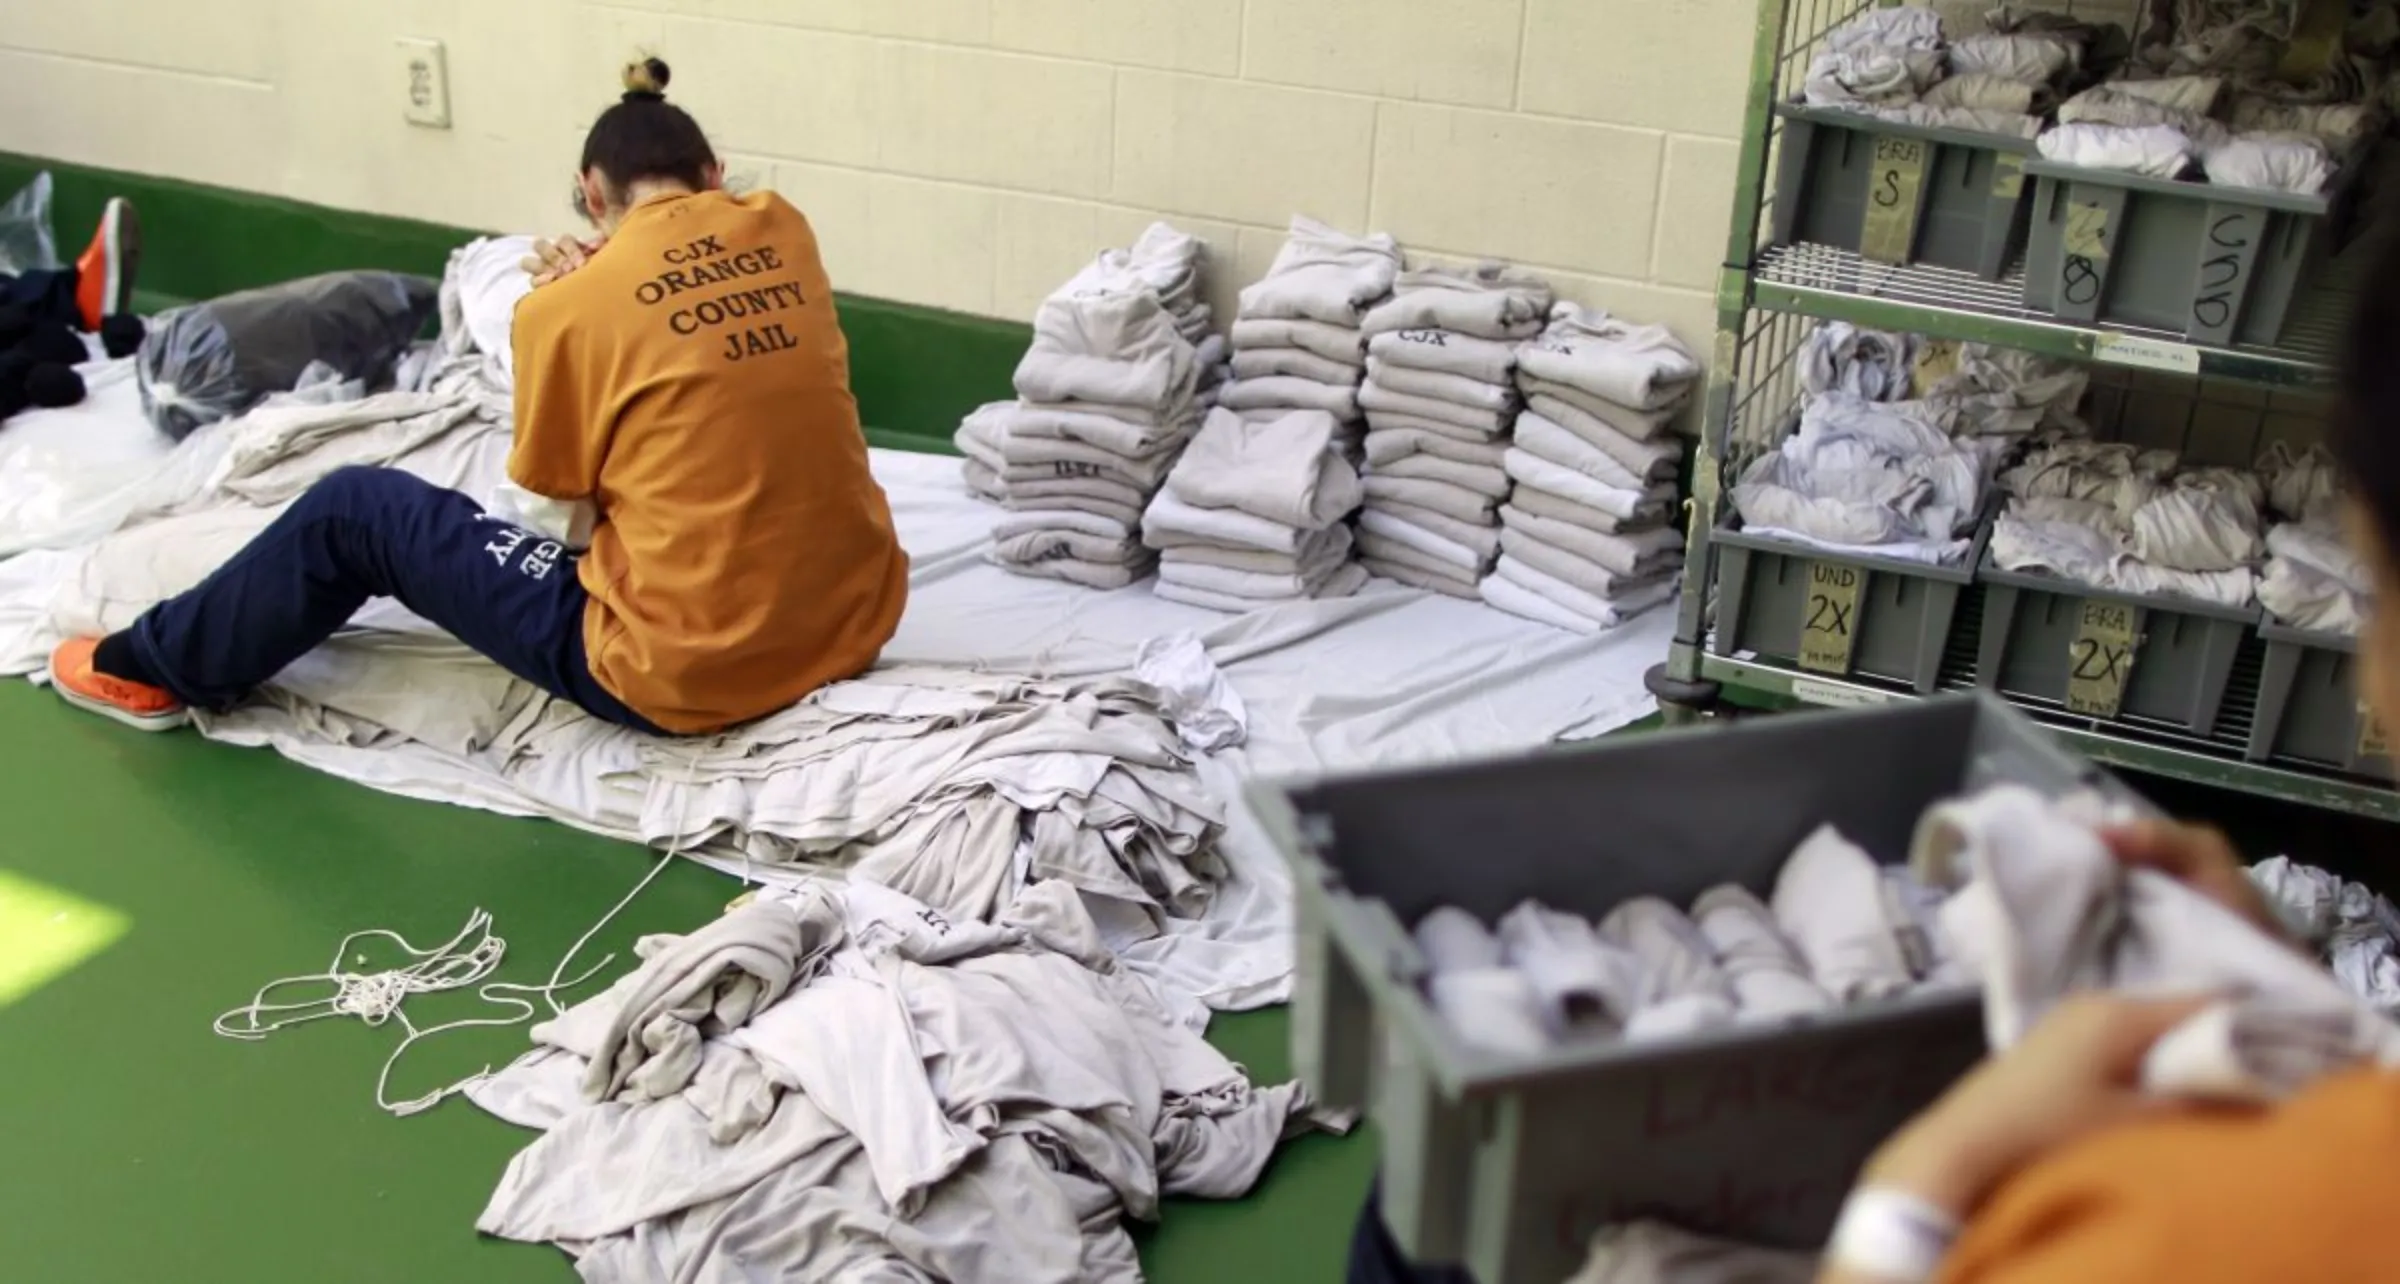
689,380
2046,1164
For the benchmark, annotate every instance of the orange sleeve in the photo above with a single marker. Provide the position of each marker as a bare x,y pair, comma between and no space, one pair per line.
2303,1191
559,440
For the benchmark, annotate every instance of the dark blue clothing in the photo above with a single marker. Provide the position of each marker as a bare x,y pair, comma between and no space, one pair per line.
47,296
365,533
1376,1259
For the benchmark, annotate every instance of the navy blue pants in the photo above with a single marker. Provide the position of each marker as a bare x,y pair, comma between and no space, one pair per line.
49,296
365,533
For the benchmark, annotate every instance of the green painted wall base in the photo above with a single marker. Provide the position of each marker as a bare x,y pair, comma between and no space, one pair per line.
917,371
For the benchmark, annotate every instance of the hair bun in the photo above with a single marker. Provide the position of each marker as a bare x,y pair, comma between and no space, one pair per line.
646,78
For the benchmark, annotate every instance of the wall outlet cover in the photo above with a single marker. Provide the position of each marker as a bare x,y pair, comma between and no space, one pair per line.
425,79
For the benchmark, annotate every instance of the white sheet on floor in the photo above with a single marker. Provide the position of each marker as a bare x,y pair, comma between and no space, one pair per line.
1384,678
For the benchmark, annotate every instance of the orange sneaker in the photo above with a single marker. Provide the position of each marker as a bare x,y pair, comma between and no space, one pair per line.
144,708
104,282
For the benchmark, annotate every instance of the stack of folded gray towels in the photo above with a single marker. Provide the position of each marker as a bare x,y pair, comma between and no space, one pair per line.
1252,515
1440,401
1296,343
1586,539
1108,394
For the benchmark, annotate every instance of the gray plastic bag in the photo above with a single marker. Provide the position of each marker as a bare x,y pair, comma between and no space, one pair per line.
216,360
26,242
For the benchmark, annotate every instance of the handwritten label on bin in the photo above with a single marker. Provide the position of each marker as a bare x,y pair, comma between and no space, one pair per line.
2008,177
1830,629
2087,230
2371,743
2101,659
2225,270
1895,187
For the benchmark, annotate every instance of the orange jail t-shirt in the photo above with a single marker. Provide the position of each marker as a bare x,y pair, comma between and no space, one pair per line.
2304,1193
692,381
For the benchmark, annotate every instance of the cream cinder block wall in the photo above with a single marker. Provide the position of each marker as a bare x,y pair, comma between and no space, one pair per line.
968,154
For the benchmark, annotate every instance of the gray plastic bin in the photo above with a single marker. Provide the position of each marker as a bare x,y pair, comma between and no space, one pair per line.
2217,265
1836,614
2308,709
2108,655
1506,1165
1901,193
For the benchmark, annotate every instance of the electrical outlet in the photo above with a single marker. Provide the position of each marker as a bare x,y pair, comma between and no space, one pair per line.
425,77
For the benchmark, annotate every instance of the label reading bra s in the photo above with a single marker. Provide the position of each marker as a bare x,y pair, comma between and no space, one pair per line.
1895,190
1829,629
2100,659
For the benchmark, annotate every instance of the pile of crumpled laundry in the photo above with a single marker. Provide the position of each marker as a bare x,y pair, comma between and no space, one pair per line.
1898,64
2215,99
847,1084
1898,442
2166,126
2219,94
2118,517
2352,927
2312,580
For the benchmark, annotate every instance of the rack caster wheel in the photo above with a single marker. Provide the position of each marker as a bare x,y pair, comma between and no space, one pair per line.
1679,701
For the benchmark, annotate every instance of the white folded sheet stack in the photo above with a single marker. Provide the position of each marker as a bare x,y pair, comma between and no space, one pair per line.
1107,395
1440,398
1253,513
2116,517
2311,579
1586,539
1296,343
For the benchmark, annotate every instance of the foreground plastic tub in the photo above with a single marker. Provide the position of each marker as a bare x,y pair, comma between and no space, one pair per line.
1902,194
1506,1166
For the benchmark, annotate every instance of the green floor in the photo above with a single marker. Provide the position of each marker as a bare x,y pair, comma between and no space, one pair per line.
141,1147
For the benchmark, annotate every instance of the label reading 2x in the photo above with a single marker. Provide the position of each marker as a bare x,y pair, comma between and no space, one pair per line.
1830,628
1895,190
2100,659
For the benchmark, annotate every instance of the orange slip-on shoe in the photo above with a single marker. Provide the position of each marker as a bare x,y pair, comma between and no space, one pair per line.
104,275
144,708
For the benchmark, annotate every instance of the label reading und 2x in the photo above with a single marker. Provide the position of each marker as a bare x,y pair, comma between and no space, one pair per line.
1830,628
1895,187
2100,659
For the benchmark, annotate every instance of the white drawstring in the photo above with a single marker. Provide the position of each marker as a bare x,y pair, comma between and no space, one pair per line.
465,960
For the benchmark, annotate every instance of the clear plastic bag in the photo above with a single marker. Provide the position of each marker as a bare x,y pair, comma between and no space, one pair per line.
216,360
26,242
